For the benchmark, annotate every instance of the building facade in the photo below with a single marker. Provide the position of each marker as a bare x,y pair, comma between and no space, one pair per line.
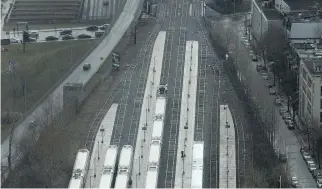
310,91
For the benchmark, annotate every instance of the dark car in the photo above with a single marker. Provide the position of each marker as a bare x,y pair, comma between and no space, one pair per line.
92,28
99,33
66,32
84,36
32,40
86,66
51,38
67,37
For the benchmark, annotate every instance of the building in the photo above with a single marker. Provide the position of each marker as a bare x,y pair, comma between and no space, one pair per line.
310,91
264,16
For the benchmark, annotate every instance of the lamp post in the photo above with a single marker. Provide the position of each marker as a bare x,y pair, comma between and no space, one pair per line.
103,132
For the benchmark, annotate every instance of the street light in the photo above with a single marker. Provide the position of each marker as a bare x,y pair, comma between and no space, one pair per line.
103,132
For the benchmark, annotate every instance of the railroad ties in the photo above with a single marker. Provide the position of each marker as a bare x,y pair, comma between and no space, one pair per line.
227,150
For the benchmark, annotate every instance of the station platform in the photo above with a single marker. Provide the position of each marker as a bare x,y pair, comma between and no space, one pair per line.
227,149
102,141
141,155
187,116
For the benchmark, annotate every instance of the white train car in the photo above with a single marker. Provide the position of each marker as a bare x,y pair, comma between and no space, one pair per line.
125,167
161,102
122,179
108,167
197,164
80,169
157,130
152,178
155,150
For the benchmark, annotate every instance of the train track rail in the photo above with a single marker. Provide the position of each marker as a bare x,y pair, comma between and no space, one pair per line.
222,80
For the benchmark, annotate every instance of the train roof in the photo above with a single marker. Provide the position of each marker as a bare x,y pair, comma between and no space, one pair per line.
106,180
126,156
110,157
197,154
160,106
196,178
151,179
121,181
154,152
81,159
157,128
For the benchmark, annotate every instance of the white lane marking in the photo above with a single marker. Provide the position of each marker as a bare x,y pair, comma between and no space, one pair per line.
190,10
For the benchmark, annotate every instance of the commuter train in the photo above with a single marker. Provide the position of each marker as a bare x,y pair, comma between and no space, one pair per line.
197,164
80,169
123,178
156,141
109,167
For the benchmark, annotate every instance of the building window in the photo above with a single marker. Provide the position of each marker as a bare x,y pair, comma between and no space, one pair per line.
320,116
320,103
321,91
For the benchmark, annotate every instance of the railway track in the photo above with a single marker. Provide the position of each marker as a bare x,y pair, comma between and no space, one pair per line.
227,95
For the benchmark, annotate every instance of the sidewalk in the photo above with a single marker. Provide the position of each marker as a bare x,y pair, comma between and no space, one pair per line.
288,142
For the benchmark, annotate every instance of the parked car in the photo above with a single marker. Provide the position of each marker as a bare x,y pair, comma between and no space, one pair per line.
283,110
306,155
259,67
14,40
287,117
67,37
4,49
319,183
34,34
309,161
312,167
269,85
264,75
272,91
278,101
303,149
317,174
84,36
51,38
86,66
99,33
254,58
66,32
294,181
290,124
92,28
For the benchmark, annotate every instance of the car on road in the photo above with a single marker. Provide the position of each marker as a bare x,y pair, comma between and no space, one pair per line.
278,101
104,27
51,38
34,34
32,39
4,49
294,181
272,91
92,28
106,3
66,32
99,33
67,37
86,66
84,36
312,167
14,40
319,183
306,155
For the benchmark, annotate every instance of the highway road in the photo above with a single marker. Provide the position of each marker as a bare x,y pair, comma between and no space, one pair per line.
77,76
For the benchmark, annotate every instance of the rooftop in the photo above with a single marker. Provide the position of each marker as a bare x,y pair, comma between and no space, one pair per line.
269,10
296,5
314,65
